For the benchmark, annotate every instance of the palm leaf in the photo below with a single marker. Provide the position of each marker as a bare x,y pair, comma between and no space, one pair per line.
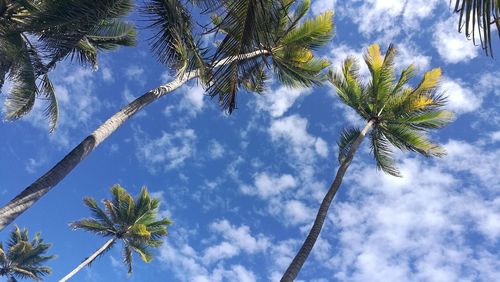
313,33
405,138
46,90
347,138
382,153
477,17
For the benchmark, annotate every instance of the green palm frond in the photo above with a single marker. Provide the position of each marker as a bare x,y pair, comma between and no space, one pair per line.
142,250
244,23
382,153
46,90
127,257
94,226
345,141
349,87
21,98
173,25
313,33
97,213
255,79
24,258
409,139
476,18
111,34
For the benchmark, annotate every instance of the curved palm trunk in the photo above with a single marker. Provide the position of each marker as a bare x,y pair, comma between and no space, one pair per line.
89,259
42,185
294,268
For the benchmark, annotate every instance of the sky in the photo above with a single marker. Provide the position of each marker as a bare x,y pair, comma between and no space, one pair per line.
243,190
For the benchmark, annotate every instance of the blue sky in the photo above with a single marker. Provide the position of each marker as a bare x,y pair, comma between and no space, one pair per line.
242,190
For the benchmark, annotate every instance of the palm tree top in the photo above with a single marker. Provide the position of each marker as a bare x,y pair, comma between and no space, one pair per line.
133,221
23,258
275,28
401,115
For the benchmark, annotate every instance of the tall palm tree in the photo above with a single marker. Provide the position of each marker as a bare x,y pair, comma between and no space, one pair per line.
286,48
36,35
476,19
24,258
395,114
133,222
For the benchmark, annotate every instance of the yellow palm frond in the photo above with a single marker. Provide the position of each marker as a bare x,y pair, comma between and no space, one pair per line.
374,58
430,81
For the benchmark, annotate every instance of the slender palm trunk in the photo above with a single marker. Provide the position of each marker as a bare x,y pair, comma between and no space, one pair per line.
294,268
89,259
42,185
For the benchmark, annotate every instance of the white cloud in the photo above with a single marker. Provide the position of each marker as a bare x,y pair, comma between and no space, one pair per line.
460,99
107,74
277,102
385,13
167,152
296,212
266,186
192,99
292,130
216,150
422,227
320,6
188,265
452,46
32,165
134,72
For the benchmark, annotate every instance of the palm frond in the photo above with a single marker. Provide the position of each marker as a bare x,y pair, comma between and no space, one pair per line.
346,139
405,138
173,25
127,257
46,90
94,226
21,98
382,153
243,23
313,33
476,18
111,34
97,213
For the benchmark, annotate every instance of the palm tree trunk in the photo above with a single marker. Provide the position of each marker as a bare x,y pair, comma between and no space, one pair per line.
300,258
42,185
89,259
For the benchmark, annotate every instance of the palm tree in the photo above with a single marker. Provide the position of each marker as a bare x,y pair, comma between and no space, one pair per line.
286,48
133,222
24,258
476,18
36,35
395,114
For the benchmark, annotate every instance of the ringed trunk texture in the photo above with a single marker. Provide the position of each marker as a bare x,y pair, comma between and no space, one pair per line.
42,185
89,259
297,263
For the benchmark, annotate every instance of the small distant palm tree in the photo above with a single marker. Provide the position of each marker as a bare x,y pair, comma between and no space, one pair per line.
258,37
476,19
133,222
24,258
36,35
395,114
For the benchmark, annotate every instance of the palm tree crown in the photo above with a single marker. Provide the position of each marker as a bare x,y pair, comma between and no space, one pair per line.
24,258
35,35
400,113
134,222
243,27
